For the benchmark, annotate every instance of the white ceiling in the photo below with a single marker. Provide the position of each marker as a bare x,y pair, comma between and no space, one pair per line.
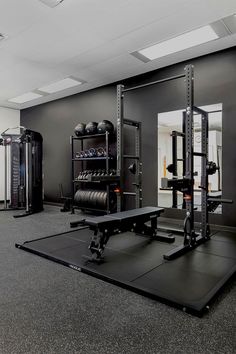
92,40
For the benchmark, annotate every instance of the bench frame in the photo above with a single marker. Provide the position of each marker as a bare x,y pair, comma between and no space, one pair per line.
132,220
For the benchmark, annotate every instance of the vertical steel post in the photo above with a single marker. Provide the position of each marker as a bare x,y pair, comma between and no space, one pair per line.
138,153
5,174
189,77
107,152
72,174
184,153
107,172
204,177
175,168
120,118
27,184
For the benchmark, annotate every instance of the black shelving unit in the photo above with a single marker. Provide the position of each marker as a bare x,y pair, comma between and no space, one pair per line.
105,180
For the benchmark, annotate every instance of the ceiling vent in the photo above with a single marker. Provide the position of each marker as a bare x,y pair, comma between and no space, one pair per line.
51,3
230,23
2,37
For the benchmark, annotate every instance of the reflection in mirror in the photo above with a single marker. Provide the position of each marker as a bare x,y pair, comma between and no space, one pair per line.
171,154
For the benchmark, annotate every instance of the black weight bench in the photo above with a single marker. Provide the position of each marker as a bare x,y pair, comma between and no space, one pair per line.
132,220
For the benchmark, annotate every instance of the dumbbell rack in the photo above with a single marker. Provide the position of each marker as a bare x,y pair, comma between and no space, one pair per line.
107,180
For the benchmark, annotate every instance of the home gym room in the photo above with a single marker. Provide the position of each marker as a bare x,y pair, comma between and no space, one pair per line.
117,179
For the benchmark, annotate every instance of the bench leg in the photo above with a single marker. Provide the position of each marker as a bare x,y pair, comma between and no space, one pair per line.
152,231
154,224
98,244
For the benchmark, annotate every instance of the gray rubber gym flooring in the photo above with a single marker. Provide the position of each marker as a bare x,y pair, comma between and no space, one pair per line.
47,308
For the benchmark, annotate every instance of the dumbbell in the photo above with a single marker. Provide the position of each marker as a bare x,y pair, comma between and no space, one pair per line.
112,172
92,152
88,173
101,152
81,154
79,176
85,174
86,153
82,175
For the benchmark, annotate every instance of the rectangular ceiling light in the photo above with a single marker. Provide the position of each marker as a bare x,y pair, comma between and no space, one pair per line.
29,96
60,85
176,44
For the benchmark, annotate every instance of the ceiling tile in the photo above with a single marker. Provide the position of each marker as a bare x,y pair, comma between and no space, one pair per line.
51,44
222,8
18,16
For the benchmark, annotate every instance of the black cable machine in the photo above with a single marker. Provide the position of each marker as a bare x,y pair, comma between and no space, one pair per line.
23,180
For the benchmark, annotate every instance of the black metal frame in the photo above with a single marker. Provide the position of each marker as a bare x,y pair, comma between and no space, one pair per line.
106,135
185,184
175,134
191,239
121,122
132,220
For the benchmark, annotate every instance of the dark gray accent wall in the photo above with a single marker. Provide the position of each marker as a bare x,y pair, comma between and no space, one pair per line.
215,82
56,121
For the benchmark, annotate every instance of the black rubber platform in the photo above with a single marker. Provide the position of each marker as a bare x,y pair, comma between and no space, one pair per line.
134,262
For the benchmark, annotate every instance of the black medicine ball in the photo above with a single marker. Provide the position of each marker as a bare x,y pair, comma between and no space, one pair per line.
105,126
91,128
80,129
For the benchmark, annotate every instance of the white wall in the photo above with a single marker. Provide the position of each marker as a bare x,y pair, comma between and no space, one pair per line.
8,118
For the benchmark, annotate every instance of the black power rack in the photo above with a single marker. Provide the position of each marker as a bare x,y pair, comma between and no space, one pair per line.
106,180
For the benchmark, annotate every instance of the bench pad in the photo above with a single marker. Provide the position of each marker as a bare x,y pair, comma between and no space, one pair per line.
129,215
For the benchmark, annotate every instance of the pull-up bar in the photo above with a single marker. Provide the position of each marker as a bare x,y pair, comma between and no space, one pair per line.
154,82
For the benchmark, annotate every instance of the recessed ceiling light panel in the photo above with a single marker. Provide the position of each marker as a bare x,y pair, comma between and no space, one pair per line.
61,85
51,3
184,41
29,96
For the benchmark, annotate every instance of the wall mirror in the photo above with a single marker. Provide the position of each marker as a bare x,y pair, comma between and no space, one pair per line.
169,122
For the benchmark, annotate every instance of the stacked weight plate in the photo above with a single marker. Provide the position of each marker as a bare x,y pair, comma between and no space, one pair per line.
91,199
